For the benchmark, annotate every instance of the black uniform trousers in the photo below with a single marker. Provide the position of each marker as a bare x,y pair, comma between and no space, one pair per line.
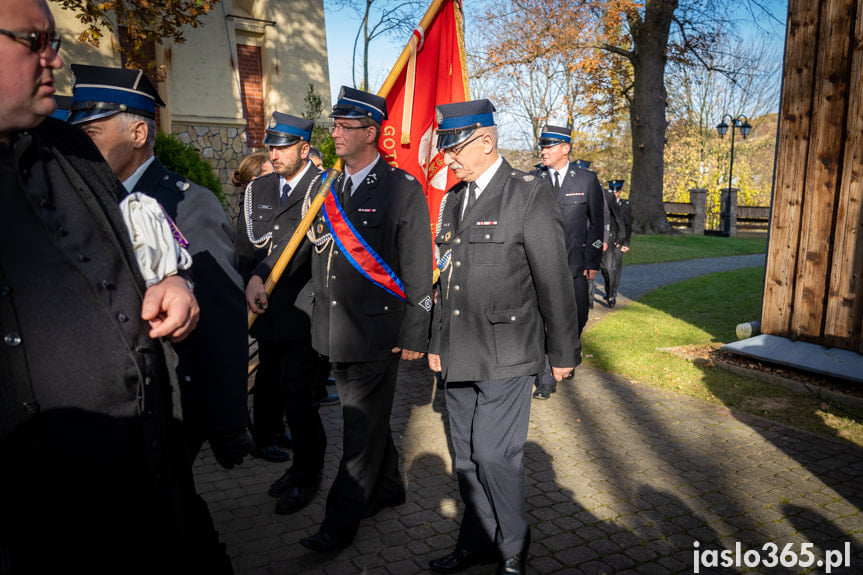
582,299
612,265
369,469
488,424
287,370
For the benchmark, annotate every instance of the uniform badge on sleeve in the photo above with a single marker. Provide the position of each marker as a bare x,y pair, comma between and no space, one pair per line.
425,303
597,244
528,178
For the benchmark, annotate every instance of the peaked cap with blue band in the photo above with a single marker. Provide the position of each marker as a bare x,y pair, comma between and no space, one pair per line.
99,92
583,164
353,103
457,122
615,185
285,130
63,104
553,135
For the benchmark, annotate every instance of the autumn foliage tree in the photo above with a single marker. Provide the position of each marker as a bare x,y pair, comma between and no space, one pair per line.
618,51
138,24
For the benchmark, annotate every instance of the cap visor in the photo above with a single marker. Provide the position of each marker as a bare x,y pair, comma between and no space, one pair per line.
279,139
81,116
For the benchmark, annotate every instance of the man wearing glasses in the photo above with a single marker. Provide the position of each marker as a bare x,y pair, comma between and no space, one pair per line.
95,476
505,301
372,271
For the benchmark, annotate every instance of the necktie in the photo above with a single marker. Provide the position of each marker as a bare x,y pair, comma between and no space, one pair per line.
556,181
286,191
346,191
471,198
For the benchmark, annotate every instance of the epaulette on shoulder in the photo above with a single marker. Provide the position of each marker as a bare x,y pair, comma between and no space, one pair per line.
527,177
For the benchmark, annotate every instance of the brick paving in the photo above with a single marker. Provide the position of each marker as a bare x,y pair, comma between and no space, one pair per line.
620,478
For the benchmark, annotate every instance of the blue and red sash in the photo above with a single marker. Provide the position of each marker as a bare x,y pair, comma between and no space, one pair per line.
357,251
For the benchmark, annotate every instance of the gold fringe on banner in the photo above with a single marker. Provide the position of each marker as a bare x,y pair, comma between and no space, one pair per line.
415,45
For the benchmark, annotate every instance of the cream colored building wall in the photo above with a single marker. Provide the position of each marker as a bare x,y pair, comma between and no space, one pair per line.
202,85
72,52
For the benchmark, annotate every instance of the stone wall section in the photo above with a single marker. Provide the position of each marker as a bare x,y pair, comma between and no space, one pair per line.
224,147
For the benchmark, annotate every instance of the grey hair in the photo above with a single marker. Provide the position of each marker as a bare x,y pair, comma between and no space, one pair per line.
126,119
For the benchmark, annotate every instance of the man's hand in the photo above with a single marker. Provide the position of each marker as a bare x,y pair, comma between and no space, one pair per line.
229,448
624,249
408,354
590,274
604,247
256,295
171,308
560,373
434,363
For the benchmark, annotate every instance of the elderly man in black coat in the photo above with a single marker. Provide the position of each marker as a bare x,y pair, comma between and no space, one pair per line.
116,108
95,477
505,301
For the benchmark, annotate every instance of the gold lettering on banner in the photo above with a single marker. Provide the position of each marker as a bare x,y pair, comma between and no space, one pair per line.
389,152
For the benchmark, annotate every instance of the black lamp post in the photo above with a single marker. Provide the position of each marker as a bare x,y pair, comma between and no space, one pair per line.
740,122
743,124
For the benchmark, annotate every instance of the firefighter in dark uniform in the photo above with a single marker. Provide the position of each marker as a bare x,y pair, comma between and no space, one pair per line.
95,475
579,196
116,108
372,271
612,260
505,301
285,381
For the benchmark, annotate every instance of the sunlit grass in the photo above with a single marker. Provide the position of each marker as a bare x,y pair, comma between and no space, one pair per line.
663,248
705,311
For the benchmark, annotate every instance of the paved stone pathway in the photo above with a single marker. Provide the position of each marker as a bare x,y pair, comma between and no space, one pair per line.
621,478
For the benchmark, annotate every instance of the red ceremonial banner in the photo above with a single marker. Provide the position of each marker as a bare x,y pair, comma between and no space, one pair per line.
434,73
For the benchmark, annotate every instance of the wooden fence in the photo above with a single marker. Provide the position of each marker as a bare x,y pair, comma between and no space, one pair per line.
735,221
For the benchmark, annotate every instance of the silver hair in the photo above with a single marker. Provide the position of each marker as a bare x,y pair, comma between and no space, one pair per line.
126,119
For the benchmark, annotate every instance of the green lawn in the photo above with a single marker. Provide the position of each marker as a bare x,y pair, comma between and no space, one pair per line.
704,311
664,248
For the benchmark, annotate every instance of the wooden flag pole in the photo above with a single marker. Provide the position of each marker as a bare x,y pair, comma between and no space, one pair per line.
297,238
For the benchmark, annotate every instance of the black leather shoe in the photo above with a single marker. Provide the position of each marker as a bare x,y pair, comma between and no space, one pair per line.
515,565
295,498
376,505
323,542
281,485
331,399
284,440
271,453
612,302
460,560
544,391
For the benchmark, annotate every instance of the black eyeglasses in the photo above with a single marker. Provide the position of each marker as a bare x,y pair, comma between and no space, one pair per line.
341,128
37,41
456,150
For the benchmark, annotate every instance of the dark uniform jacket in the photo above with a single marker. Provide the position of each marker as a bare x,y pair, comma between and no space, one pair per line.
615,224
94,469
625,209
214,360
506,296
289,309
580,201
355,319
